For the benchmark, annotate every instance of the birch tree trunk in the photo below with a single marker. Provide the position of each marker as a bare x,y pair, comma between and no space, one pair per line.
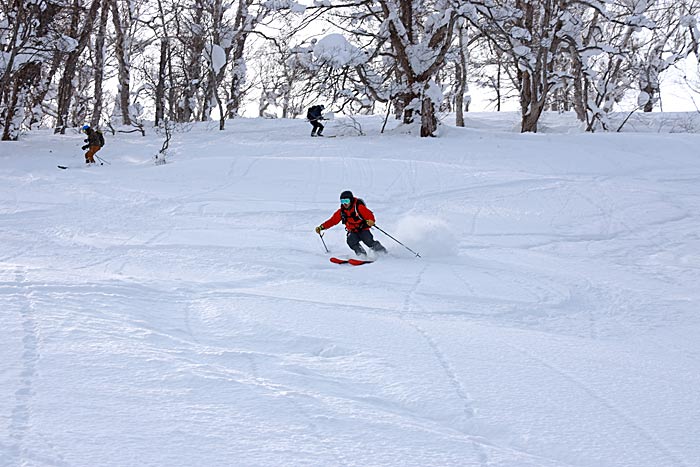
121,51
160,84
461,74
243,24
99,64
163,63
193,65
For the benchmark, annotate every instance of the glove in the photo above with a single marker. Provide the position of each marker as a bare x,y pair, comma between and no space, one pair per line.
85,147
370,223
318,229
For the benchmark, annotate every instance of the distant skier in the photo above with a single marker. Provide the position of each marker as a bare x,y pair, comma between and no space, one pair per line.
314,115
95,140
358,219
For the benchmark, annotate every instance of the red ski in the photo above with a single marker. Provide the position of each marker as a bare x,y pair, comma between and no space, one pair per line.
352,261
359,262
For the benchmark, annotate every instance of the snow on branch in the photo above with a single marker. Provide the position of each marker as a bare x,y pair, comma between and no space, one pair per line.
337,52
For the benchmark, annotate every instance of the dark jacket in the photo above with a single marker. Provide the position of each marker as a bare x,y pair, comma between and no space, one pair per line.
94,138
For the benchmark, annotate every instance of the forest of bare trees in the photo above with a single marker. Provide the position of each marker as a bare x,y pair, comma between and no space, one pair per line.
135,63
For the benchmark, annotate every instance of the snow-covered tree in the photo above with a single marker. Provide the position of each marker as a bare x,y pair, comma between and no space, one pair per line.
81,27
281,70
533,34
26,35
672,38
461,66
618,47
406,44
188,60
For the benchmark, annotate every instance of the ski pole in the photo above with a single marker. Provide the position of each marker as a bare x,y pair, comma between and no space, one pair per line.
385,233
102,160
324,242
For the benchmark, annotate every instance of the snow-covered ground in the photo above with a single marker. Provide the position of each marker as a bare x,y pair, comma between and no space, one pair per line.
187,314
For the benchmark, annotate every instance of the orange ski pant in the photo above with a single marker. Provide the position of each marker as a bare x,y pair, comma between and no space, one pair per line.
91,152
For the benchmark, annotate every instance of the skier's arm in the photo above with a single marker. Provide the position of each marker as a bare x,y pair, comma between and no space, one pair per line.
334,220
366,214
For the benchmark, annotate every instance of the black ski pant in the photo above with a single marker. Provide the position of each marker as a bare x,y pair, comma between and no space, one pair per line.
364,236
316,127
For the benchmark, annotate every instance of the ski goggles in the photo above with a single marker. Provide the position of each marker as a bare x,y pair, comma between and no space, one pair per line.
344,200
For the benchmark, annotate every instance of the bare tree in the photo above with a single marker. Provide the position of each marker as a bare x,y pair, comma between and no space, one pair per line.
99,53
122,20
461,66
673,37
66,83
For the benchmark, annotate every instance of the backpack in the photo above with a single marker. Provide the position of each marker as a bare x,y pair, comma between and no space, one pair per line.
314,112
357,215
100,138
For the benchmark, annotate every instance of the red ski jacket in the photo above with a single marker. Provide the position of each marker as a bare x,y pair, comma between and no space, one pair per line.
355,216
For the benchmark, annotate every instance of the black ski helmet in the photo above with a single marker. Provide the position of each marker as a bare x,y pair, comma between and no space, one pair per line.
347,194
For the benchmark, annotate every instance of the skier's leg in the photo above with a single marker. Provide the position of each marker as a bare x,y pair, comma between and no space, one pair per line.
354,243
320,129
368,239
89,159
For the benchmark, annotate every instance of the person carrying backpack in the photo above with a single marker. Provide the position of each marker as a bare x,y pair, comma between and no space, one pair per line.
358,220
314,115
95,140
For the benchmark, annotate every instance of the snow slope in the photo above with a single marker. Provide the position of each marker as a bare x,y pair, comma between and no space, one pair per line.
187,314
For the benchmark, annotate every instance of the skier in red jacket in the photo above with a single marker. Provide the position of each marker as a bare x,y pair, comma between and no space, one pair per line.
358,219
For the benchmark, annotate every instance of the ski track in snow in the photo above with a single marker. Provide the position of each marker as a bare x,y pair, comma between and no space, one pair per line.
467,409
626,418
408,305
20,450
